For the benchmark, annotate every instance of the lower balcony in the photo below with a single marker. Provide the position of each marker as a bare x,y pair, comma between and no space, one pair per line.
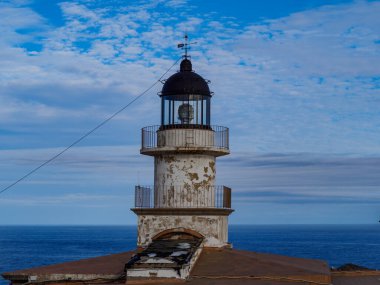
182,197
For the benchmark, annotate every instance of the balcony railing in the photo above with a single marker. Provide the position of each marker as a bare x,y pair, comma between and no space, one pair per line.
216,137
182,197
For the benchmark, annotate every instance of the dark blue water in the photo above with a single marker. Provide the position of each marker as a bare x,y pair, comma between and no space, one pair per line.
29,246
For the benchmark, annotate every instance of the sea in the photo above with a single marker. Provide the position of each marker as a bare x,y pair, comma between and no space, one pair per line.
30,246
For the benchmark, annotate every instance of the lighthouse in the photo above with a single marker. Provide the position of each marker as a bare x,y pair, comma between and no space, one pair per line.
183,216
184,199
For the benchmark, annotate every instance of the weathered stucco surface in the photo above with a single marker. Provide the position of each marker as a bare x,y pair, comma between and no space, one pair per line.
185,138
183,180
214,229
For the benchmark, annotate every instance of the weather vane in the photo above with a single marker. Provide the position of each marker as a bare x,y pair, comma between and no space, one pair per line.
185,45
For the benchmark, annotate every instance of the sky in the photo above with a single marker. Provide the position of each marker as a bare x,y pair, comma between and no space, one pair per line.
297,83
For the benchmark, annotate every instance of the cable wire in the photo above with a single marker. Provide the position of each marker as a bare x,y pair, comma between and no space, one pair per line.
90,131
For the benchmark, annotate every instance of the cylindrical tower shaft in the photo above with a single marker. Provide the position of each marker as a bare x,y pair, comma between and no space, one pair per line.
184,181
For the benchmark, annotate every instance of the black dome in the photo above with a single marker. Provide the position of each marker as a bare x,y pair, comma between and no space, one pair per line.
185,82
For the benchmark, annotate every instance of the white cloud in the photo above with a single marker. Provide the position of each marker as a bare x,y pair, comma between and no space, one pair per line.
14,19
74,11
176,3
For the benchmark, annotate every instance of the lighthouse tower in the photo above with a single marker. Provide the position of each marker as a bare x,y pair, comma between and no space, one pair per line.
184,198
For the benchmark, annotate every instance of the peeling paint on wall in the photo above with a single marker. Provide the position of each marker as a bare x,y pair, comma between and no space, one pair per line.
213,228
180,182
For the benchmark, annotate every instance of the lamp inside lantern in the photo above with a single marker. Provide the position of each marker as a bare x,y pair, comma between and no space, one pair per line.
185,113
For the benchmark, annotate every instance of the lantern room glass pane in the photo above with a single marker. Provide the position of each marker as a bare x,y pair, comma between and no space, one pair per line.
185,110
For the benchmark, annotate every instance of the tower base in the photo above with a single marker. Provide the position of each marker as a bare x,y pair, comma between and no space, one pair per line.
210,224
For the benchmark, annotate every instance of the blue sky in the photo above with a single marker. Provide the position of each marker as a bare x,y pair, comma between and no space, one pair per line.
297,82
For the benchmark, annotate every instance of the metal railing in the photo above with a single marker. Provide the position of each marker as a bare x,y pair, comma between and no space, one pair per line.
155,137
182,197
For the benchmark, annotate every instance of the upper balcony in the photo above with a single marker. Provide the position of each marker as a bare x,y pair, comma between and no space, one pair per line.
213,140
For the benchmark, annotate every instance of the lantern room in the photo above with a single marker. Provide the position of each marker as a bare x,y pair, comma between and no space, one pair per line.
185,100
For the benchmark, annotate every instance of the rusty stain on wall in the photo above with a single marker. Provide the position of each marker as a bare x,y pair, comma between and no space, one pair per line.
193,176
212,166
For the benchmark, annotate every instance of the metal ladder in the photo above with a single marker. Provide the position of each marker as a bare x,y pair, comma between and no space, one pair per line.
189,136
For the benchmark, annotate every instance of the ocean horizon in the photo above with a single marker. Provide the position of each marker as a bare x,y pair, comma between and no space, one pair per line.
26,246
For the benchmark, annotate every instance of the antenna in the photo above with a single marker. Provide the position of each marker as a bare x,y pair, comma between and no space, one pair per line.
185,46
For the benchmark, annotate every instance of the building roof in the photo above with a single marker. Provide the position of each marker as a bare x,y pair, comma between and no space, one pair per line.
108,267
361,278
214,266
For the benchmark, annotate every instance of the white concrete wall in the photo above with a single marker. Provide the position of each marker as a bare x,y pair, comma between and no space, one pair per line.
184,180
185,138
213,228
